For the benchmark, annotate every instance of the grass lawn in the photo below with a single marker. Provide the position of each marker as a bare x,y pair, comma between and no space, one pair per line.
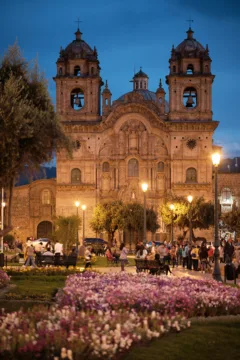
214,339
33,289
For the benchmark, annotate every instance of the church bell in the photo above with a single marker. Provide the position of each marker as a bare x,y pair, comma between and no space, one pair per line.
78,102
190,101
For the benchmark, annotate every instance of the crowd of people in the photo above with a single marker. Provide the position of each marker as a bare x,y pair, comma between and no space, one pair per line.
192,257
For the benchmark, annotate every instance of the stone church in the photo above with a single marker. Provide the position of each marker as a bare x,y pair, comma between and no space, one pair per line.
118,145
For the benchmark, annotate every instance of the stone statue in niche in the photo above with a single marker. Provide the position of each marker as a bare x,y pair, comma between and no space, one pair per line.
133,140
160,182
121,142
144,142
105,182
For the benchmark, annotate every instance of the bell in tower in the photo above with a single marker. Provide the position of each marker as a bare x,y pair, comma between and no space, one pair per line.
190,101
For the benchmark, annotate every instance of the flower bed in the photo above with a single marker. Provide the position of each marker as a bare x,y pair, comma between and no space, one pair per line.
4,279
47,270
71,334
143,292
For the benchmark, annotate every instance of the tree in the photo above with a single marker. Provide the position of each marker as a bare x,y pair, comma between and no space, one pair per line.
232,220
67,231
107,217
200,212
29,128
152,220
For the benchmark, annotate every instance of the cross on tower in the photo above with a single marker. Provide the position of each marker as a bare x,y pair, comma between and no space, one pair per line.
190,21
78,21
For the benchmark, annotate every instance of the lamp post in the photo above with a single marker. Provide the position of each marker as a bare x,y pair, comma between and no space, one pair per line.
77,203
216,270
190,198
144,189
3,204
83,229
172,209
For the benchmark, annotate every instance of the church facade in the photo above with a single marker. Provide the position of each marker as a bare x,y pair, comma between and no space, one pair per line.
140,137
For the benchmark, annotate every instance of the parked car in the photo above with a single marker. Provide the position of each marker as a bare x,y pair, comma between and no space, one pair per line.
44,242
92,241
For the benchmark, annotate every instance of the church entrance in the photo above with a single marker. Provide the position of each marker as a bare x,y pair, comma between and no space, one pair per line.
44,229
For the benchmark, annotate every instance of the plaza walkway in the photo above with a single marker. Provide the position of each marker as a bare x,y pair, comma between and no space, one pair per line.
177,271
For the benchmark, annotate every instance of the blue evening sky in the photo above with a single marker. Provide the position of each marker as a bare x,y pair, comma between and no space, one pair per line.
133,33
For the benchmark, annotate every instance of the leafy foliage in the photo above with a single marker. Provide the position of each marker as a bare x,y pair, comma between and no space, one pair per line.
201,213
232,220
67,230
29,128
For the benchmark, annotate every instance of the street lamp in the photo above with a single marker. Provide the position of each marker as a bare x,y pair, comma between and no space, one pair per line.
83,231
216,270
3,204
172,209
190,198
77,203
144,189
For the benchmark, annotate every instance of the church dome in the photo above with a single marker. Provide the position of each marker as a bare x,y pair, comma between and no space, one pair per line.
189,47
147,96
79,49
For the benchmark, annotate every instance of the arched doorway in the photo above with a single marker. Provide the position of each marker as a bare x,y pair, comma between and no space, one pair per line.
44,229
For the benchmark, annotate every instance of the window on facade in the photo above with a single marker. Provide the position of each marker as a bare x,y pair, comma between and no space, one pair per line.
226,195
160,166
174,68
46,197
105,167
160,100
140,84
206,69
77,71
145,85
77,144
190,97
92,70
133,168
60,71
77,99
76,176
106,101
191,175
190,69
136,85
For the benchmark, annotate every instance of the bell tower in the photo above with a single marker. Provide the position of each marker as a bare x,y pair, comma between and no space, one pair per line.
190,81
78,82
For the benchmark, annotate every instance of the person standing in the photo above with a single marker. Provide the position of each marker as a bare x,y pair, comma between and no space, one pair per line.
38,252
30,256
203,256
123,255
185,256
88,257
195,257
229,250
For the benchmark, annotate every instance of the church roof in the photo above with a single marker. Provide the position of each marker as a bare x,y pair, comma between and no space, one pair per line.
140,74
147,95
190,47
78,48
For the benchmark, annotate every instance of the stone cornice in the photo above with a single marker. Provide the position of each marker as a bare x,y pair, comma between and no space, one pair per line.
80,187
192,125
197,186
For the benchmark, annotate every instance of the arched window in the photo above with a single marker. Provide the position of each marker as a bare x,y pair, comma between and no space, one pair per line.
106,101
190,97
77,99
60,71
133,168
226,195
206,69
160,166
77,71
190,69
92,70
76,176
191,175
160,100
46,197
140,84
145,85
174,68
136,85
105,167
77,144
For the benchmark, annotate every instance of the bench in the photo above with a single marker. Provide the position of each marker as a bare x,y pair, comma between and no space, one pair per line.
154,267
59,260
